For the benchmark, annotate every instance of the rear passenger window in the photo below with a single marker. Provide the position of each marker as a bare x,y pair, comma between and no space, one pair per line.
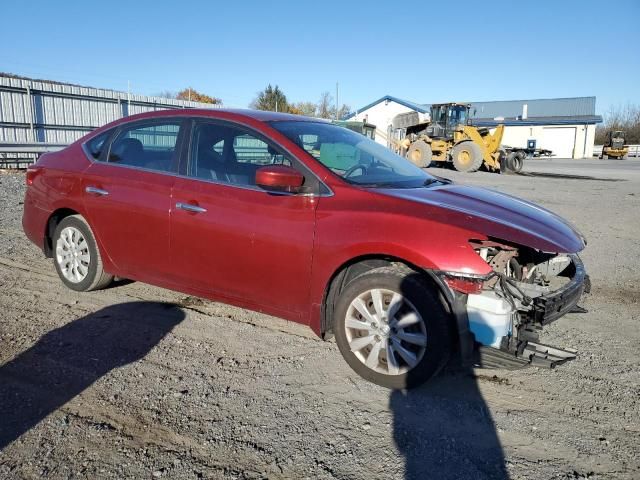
146,146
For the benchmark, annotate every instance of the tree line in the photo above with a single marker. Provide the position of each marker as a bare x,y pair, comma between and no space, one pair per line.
192,95
625,118
272,98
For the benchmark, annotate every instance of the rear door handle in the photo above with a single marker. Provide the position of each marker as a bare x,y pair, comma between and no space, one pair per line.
96,191
190,208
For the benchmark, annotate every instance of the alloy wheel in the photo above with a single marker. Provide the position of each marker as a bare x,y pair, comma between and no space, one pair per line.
72,254
385,332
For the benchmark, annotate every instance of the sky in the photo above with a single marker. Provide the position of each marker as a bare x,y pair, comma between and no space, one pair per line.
425,52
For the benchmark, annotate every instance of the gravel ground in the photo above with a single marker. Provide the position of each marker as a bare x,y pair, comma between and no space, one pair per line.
140,382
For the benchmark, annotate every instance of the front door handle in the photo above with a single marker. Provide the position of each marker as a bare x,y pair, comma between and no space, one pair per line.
190,208
96,191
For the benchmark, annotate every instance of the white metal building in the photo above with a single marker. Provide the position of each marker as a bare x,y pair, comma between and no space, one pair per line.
564,125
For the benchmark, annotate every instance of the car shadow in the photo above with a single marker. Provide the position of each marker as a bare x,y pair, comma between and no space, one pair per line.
66,361
444,428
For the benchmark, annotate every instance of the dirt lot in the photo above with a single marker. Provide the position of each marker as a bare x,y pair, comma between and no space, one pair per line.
140,382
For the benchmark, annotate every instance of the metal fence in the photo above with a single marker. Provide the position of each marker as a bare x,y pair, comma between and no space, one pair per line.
634,150
39,116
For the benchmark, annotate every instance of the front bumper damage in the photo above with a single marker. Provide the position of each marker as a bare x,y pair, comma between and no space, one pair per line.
546,306
505,318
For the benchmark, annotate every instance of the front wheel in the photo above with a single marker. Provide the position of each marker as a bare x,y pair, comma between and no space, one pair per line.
420,153
76,256
391,327
466,156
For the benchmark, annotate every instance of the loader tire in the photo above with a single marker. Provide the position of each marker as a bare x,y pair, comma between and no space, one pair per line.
466,157
420,153
515,161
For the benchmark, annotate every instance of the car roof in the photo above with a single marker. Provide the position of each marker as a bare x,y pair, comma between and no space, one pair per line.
259,115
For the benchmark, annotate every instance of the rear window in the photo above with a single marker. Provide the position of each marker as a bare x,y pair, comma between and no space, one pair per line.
146,146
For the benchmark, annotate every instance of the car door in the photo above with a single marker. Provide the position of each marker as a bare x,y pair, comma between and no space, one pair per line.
127,195
233,239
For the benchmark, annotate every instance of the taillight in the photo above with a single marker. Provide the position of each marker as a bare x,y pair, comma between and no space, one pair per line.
31,175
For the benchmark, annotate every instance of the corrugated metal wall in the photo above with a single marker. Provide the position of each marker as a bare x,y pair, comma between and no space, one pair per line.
37,111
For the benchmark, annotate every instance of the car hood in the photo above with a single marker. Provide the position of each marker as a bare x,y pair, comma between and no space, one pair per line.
497,215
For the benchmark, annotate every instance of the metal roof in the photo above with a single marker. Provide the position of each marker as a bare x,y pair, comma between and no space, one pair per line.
531,121
541,110
543,107
412,105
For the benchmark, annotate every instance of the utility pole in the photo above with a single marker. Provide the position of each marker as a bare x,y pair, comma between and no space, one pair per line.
276,103
337,103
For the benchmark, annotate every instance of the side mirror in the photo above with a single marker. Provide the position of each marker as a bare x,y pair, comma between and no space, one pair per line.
279,178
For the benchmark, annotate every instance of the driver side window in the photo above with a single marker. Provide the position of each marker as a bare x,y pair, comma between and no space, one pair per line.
252,150
228,154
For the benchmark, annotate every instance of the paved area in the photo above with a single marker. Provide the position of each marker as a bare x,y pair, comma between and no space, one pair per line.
606,169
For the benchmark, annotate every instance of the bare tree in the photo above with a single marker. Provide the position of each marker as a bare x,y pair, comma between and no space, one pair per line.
166,94
306,108
327,109
344,110
625,118
324,109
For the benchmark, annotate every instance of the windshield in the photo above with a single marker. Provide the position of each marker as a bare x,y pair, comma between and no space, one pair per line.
354,157
458,116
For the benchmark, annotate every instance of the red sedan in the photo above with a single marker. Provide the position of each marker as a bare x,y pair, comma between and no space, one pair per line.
313,223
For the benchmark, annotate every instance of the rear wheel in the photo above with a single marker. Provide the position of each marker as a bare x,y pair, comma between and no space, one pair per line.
420,153
391,328
466,157
76,256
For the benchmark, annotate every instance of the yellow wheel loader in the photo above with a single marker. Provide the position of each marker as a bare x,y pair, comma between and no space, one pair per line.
450,137
614,146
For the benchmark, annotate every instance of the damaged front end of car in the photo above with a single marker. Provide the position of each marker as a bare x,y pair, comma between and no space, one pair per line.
501,313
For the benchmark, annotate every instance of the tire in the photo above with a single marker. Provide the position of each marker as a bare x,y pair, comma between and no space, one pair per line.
365,349
466,156
420,153
515,161
73,239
